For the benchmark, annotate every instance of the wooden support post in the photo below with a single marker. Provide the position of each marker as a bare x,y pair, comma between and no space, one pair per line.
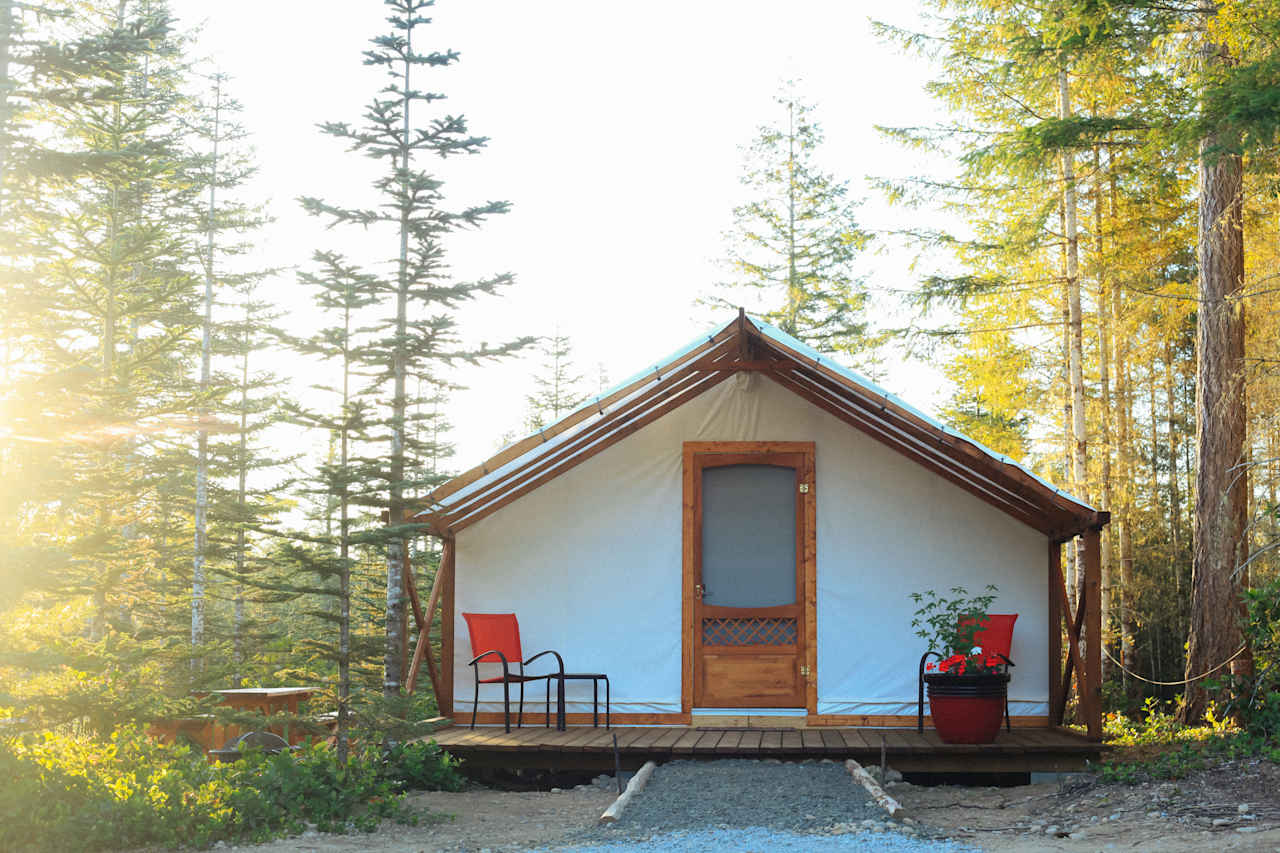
422,651
448,559
1057,703
412,586
1091,698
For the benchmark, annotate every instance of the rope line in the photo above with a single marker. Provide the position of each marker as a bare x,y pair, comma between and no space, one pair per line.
1133,674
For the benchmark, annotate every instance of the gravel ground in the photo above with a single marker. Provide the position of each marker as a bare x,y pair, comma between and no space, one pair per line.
730,794
760,839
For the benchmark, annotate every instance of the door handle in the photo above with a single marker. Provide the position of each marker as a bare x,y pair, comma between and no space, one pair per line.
700,590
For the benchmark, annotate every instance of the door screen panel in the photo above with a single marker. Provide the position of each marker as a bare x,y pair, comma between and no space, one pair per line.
749,536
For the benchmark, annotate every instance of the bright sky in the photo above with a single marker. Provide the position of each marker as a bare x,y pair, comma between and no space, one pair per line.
615,134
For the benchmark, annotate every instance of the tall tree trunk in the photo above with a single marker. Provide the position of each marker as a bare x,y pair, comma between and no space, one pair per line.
1221,480
1065,384
1075,323
397,584
1104,420
1175,497
242,463
198,579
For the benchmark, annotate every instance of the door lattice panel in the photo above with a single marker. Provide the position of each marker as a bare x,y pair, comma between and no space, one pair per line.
780,631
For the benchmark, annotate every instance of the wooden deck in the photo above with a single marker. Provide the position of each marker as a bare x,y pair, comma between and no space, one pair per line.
587,748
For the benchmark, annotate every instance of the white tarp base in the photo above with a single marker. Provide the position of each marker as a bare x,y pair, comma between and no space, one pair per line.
591,562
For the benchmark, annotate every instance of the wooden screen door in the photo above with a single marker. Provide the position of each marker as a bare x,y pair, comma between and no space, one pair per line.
748,515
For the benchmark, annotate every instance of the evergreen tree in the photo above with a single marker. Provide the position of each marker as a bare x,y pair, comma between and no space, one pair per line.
792,247
415,333
557,389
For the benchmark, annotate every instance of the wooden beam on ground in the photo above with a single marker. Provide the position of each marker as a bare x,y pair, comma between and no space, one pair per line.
1057,703
590,409
1092,698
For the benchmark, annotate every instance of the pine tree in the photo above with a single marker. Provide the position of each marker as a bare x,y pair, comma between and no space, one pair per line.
415,333
793,244
557,389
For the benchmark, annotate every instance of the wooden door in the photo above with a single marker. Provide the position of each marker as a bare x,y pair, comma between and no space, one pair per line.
746,564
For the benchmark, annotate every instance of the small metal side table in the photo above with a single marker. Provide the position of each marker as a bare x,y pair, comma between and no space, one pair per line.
595,678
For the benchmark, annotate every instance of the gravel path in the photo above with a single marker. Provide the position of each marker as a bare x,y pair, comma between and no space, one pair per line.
760,840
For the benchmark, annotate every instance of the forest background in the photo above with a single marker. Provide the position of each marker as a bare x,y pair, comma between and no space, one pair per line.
200,436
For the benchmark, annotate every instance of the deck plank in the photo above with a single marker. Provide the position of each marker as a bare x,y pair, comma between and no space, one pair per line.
729,743
832,742
791,741
750,743
684,745
707,743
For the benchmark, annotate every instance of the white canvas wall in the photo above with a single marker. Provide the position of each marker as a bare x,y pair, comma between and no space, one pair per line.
591,561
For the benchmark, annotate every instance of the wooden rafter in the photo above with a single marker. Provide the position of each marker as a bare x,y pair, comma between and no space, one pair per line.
570,421
672,384
741,346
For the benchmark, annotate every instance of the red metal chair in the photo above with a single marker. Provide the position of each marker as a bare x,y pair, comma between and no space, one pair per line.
996,638
498,635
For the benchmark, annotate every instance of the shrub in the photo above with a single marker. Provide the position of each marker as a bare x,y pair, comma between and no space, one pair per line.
64,793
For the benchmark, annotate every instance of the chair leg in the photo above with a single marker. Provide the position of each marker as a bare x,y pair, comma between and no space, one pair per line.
1008,723
475,702
548,708
506,705
520,717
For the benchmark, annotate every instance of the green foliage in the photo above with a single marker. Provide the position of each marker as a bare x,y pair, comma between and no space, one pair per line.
949,624
1256,697
63,793
1155,745
423,766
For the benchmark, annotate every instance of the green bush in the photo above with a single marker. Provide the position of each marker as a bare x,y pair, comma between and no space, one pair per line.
423,766
63,793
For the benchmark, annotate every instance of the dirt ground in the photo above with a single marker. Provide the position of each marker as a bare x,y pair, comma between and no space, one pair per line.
473,820
1235,806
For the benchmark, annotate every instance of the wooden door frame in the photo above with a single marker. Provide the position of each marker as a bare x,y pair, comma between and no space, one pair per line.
690,526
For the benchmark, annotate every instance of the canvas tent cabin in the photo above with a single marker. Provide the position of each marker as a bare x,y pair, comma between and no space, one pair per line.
737,530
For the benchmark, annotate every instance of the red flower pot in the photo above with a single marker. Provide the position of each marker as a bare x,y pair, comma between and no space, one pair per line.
967,708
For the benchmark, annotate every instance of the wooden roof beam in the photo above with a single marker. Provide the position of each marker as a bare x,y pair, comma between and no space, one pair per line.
523,446
962,446
879,434
1012,477
670,384
587,438
930,449
705,384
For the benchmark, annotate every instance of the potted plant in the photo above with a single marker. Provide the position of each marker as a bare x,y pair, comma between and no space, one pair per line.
968,686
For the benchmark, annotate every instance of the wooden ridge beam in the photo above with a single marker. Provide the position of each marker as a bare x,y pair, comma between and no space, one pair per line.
879,433
533,467
568,422
704,384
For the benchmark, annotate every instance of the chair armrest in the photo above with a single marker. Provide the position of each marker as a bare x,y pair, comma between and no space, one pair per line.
559,659
1005,659
505,670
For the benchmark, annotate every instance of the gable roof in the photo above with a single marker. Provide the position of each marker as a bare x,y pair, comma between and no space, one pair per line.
747,343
